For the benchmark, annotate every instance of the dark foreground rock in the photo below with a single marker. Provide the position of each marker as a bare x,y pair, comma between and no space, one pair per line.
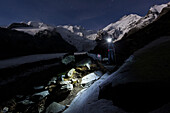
142,83
55,108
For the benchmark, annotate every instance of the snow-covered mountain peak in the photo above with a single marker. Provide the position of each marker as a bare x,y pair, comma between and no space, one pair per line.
130,16
78,30
124,22
34,27
72,29
158,8
152,15
119,28
35,24
42,25
168,3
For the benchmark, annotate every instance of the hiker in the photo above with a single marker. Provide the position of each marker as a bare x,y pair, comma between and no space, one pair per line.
110,51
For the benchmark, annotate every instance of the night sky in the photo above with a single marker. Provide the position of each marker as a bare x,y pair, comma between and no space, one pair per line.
91,14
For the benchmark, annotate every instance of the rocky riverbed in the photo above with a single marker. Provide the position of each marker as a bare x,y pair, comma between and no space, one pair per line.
55,92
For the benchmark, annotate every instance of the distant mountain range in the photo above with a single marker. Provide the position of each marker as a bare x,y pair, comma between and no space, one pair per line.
70,38
77,36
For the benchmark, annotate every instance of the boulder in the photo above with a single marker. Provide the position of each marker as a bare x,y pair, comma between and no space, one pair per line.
71,72
65,82
142,83
89,79
68,59
53,80
55,108
5,110
38,87
26,102
41,94
68,87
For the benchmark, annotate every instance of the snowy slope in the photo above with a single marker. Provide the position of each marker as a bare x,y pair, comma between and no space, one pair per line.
82,39
122,26
158,8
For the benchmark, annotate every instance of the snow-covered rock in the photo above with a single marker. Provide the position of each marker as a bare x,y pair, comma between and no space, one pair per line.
68,87
158,8
70,73
151,16
26,102
87,101
5,110
65,82
85,62
89,79
55,108
43,94
53,80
